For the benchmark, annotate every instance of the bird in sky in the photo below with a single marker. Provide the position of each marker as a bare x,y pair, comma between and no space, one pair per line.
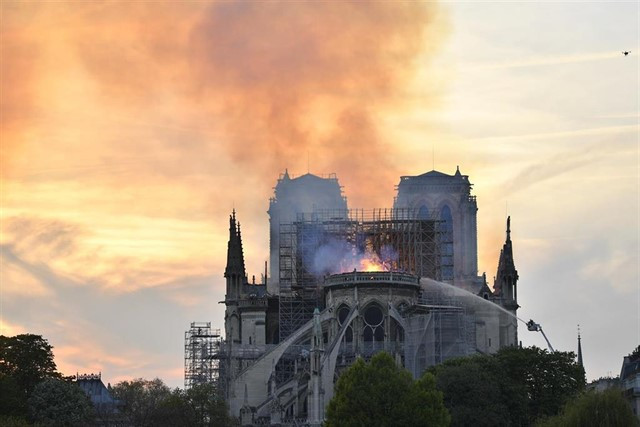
626,52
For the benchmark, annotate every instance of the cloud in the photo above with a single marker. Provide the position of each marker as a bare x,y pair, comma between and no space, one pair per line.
19,277
10,329
122,257
540,61
616,268
264,83
558,164
600,131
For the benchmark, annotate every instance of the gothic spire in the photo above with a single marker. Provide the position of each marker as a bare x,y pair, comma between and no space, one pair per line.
507,274
579,349
235,257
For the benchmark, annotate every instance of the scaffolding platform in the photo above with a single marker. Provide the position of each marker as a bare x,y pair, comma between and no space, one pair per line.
202,354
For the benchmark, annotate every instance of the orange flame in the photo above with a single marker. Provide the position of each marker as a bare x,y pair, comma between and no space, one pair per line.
371,265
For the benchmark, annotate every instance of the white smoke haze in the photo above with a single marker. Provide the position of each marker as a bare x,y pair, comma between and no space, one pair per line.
470,300
339,256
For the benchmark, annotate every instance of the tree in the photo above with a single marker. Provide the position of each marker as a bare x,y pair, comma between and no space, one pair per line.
142,400
477,393
549,379
379,393
207,406
593,409
14,401
515,386
59,403
201,405
25,361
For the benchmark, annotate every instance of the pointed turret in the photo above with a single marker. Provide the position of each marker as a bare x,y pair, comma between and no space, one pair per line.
507,275
505,291
235,271
579,348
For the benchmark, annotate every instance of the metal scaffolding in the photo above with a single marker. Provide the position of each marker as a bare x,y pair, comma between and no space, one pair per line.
417,246
415,242
441,327
201,354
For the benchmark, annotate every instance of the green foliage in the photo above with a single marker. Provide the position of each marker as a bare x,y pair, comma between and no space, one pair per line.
25,361
515,386
13,421
201,405
550,379
379,393
152,403
475,391
14,398
142,400
594,409
207,407
426,402
60,403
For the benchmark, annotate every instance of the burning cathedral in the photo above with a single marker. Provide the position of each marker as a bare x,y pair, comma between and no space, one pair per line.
348,283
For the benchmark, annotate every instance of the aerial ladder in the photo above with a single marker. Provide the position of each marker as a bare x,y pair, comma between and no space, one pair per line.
535,327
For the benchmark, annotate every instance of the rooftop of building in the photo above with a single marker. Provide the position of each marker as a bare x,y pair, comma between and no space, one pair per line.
630,365
307,178
435,177
308,190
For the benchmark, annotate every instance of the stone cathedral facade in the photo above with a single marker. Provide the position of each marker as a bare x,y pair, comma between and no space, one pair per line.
345,284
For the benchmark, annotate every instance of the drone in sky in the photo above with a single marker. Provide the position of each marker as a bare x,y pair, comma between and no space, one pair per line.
626,52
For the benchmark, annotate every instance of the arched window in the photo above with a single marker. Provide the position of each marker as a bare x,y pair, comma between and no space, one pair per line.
423,212
446,247
373,324
343,312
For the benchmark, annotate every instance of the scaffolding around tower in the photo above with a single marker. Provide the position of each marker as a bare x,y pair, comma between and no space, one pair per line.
201,355
403,239
419,244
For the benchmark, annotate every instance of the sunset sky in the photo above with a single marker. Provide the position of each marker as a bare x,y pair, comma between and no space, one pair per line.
129,130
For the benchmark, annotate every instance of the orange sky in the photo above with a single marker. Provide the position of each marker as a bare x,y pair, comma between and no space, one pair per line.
130,130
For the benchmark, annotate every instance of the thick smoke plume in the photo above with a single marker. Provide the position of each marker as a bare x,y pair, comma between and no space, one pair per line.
269,84
303,78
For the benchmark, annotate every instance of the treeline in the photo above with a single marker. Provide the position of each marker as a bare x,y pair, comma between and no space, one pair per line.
514,387
33,392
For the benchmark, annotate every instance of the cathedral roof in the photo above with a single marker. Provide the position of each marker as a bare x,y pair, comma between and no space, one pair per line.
307,192
436,177
432,174
307,178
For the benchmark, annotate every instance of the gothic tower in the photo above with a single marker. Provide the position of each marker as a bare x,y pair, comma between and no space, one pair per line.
505,291
236,276
447,198
505,284
305,194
